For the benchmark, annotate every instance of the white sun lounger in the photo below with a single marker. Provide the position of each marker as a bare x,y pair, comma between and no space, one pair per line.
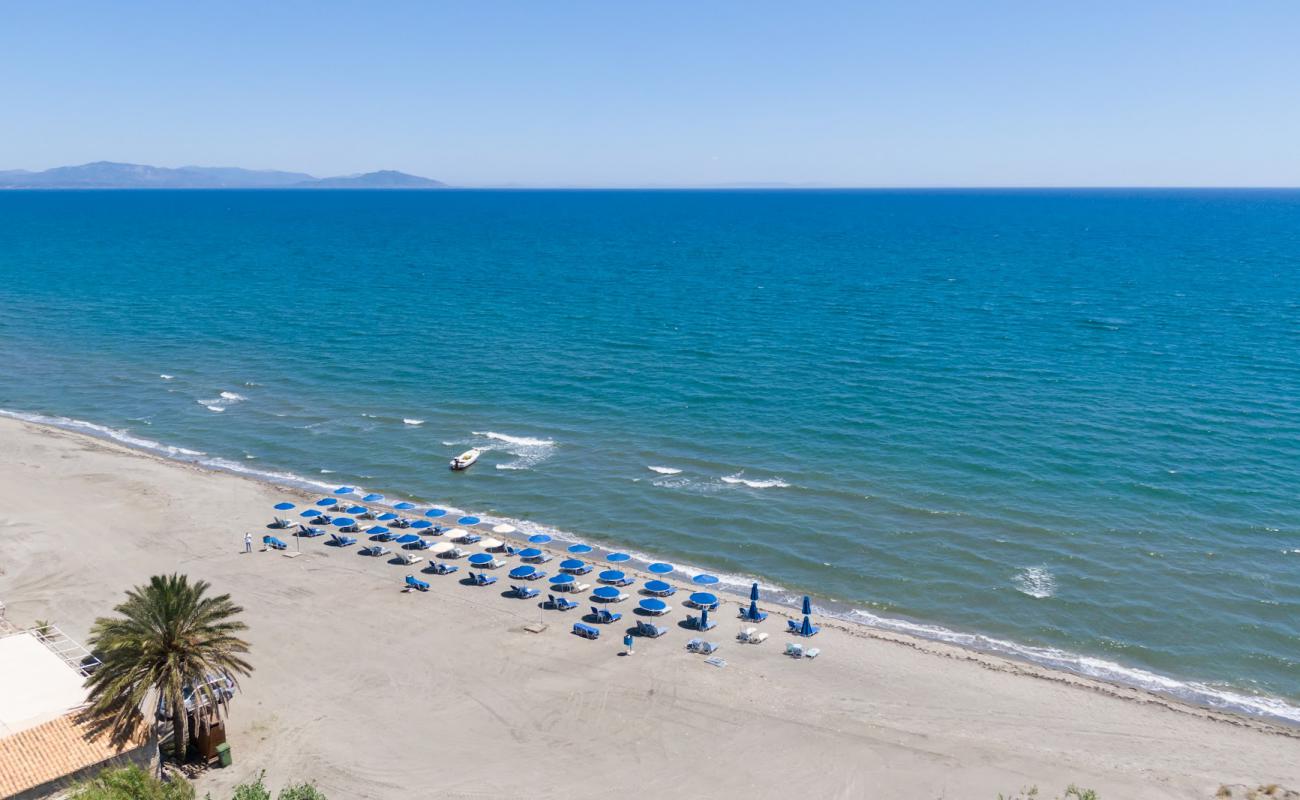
409,558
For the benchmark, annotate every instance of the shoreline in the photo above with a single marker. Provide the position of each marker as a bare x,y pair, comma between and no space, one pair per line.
988,659
375,692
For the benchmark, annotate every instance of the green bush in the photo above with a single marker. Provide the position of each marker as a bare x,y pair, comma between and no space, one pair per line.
132,783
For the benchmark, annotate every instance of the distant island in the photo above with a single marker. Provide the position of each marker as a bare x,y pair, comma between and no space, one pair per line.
112,175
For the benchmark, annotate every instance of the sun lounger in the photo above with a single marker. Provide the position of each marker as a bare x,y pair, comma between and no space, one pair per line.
280,522
323,519
273,543
554,603
422,544
694,623
542,559
524,592
701,646
454,552
308,532
366,515
535,576
759,617
579,587
470,538
441,568
410,558
794,650
350,529
493,564
339,540
375,550
649,629
811,652
583,570
586,631
415,583
795,627
483,579
751,636
400,523
604,616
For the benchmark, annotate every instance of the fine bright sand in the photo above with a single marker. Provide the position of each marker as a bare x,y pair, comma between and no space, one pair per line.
373,692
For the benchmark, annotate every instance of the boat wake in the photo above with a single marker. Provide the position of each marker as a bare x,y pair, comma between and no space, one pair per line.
770,483
528,452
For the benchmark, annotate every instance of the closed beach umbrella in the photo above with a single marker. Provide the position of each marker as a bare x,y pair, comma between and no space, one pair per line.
572,563
618,558
376,529
480,558
422,523
404,506
529,552
539,538
435,512
523,571
356,510
580,548
656,586
806,628
753,602
653,605
504,530
705,580
807,605
660,568
704,618
343,522
442,547
311,512
344,490
753,591
610,576
387,515
704,599
561,580
372,497
606,593
409,538
326,501
284,506
467,521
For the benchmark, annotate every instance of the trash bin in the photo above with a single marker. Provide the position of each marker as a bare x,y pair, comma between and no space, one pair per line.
223,754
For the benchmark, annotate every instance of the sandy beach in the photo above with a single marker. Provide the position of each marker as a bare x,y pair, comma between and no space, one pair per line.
373,692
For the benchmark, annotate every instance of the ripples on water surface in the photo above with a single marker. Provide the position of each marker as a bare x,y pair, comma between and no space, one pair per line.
1066,420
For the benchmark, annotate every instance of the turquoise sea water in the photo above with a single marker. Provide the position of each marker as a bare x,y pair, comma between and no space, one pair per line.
1060,425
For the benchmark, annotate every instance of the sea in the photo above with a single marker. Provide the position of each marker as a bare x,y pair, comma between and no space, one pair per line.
1061,426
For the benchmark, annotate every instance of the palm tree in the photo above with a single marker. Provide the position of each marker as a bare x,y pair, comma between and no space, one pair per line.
171,637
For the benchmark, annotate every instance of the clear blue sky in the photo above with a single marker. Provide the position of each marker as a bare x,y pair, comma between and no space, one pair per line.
553,92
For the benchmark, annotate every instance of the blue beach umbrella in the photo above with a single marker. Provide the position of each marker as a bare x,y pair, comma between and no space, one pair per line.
657,586
561,580
311,512
653,605
372,497
660,568
753,603
435,512
422,523
703,599
523,571
376,529
529,552
806,627
705,580
481,558
404,506
344,490
343,522
326,501
467,521
539,538
606,593
807,605
357,510
580,548
753,591
409,538
572,563
284,506
386,516
610,576
618,558
704,618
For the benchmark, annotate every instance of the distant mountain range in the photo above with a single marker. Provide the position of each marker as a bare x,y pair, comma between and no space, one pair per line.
112,175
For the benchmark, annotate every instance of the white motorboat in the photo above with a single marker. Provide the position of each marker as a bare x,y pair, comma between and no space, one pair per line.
466,459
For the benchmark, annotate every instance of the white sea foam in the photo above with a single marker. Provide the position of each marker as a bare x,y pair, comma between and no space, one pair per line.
412,421
528,451
326,471
665,470
770,483
1035,582
232,397
105,432
216,409
166,377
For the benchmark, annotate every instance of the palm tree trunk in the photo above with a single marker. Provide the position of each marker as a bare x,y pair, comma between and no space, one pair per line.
180,730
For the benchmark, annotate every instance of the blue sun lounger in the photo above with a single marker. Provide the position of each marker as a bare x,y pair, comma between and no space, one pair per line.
482,578
375,550
701,646
586,631
524,592
415,583
694,623
604,616
273,543
554,603
649,629
339,540
308,532
441,568
800,629
748,617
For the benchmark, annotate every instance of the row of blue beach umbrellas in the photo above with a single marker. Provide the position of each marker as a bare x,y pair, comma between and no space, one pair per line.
703,600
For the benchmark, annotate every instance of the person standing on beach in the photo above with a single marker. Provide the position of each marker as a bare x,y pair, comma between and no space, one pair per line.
627,643
248,542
